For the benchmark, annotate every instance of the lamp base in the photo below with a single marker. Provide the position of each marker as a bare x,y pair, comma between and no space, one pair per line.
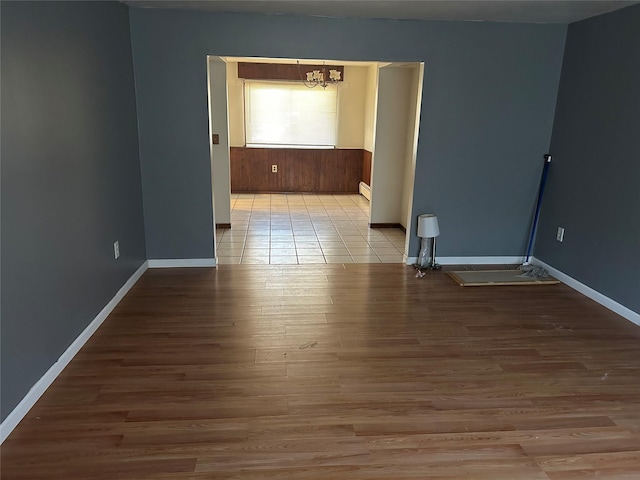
427,257
423,268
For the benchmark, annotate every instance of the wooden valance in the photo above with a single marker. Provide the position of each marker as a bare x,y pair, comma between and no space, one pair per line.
282,71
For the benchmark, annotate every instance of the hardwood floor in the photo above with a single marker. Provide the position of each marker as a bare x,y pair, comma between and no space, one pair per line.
340,372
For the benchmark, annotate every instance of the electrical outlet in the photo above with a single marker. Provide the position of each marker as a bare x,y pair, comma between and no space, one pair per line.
560,234
116,249
274,168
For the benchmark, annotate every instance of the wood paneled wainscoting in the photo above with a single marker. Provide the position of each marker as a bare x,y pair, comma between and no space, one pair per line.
300,170
366,166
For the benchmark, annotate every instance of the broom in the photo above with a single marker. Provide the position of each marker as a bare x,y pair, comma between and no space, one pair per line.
535,271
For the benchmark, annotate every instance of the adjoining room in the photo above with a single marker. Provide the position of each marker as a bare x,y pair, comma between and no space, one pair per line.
350,129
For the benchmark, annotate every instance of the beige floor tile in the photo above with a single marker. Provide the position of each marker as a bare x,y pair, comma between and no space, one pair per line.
335,251
338,259
239,231
231,241
308,225
261,254
228,260
332,243
308,252
329,238
258,234
366,259
302,259
257,244
275,237
254,260
381,244
229,253
372,234
308,244
282,244
279,252
360,250
352,238
230,246
398,236
357,245
256,251
301,237
380,251
391,258
283,260
234,234
343,224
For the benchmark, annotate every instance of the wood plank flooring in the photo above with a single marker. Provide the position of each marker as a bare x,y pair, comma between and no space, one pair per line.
337,372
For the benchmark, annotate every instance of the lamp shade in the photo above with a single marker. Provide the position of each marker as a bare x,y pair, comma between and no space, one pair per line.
428,226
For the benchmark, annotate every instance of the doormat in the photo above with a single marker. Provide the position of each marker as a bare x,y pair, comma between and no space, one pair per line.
490,278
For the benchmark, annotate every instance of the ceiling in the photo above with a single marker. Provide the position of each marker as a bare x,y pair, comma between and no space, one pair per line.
527,11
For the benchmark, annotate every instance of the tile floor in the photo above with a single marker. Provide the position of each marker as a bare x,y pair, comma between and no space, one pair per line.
281,229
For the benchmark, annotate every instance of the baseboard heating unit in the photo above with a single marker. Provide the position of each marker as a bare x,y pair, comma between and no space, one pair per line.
365,190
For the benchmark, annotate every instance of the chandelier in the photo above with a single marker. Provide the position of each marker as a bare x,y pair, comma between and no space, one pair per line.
316,77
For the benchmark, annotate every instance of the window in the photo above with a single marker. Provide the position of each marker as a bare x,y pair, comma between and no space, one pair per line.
281,114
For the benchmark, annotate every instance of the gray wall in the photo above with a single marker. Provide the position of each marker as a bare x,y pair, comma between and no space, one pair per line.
70,178
594,181
488,103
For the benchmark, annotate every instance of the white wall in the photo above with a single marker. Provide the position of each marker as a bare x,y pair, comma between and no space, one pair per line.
218,123
351,107
235,88
371,97
352,98
390,144
414,98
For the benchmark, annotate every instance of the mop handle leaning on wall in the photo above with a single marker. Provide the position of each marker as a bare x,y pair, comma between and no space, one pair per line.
543,181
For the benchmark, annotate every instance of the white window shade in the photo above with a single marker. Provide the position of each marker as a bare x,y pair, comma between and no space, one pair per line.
290,114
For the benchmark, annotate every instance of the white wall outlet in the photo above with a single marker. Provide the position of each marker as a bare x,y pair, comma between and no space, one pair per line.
274,168
116,249
560,234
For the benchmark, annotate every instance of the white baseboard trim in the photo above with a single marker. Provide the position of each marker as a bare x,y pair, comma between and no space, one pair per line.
473,260
18,413
182,262
591,293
